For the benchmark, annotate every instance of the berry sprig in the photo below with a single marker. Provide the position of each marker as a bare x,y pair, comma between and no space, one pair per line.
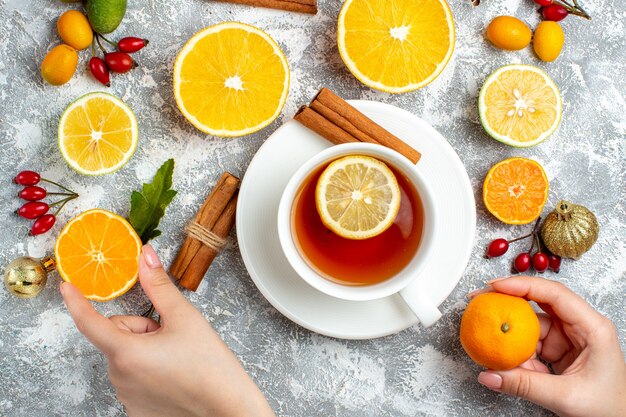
35,209
557,10
118,61
540,261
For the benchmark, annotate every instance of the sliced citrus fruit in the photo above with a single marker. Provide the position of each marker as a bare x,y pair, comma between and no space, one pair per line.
98,251
97,134
395,45
515,190
231,79
520,105
357,197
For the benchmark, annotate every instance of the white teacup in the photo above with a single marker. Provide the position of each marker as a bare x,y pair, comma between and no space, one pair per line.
405,282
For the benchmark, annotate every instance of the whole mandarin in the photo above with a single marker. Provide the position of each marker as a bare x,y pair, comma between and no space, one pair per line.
499,331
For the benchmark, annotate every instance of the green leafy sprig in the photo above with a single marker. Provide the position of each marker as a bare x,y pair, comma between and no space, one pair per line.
148,206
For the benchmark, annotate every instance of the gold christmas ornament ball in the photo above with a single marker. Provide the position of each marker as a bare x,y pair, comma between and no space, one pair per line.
570,230
26,277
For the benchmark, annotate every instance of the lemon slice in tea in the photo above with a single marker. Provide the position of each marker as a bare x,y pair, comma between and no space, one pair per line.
357,197
97,134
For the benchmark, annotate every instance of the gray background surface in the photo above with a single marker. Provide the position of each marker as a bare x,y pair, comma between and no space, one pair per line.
48,369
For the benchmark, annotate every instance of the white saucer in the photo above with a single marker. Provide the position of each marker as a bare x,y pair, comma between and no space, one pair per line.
270,170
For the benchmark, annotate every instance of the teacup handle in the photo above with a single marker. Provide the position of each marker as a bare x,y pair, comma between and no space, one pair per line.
422,307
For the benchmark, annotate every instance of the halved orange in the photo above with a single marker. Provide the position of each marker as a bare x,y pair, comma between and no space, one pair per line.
515,190
231,79
98,251
395,45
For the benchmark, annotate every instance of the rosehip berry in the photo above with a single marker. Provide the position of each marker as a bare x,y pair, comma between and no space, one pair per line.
119,62
540,262
544,2
32,193
33,209
43,224
99,70
497,248
131,44
554,12
27,178
554,263
522,262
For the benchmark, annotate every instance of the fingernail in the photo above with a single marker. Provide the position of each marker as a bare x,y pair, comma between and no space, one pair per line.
490,380
496,280
150,256
62,288
479,291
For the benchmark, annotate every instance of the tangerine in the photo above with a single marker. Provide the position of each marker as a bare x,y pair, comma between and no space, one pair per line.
499,331
515,190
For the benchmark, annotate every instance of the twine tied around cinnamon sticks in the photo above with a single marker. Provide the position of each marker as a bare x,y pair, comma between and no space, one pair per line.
332,117
207,233
204,235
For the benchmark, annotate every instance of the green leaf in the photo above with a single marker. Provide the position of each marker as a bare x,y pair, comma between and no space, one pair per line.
148,206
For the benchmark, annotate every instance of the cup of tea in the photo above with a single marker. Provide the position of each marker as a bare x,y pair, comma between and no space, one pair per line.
364,269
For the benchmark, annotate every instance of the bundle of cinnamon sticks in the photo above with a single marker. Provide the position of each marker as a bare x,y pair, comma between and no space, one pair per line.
302,6
216,218
335,119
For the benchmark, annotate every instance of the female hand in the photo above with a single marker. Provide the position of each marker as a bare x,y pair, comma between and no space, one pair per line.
178,368
580,344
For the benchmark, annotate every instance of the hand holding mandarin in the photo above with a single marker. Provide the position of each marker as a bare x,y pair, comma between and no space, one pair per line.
581,346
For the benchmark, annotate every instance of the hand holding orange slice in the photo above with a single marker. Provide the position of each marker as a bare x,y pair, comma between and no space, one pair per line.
98,251
515,190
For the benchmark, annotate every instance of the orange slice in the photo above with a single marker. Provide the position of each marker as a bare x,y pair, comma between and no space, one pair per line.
231,79
520,105
515,190
395,45
357,197
98,251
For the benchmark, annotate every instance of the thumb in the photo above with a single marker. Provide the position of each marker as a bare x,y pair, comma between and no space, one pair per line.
158,286
97,329
543,389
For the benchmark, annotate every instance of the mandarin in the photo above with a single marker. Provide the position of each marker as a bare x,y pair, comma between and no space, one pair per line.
499,331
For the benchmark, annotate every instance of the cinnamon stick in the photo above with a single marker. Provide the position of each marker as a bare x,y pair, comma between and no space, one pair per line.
302,6
202,260
333,118
187,265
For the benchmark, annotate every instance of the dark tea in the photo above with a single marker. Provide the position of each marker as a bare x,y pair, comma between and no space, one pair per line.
357,262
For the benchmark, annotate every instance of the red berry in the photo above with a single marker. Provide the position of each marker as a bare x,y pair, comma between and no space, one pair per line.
554,263
522,262
131,44
43,224
119,62
544,2
27,178
540,262
33,209
554,12
497,248
32,193
99,70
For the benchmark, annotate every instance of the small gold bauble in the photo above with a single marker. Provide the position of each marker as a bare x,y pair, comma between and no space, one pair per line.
26,277
570,230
